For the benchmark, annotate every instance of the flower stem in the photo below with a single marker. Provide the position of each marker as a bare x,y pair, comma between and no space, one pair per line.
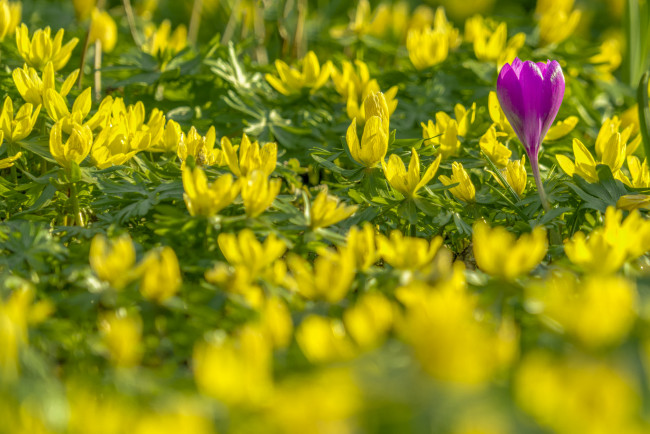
79,220
538,181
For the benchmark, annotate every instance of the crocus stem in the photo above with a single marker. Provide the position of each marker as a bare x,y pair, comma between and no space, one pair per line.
538,181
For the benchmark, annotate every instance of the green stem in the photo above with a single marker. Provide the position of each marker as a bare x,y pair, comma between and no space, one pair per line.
79,220
538,182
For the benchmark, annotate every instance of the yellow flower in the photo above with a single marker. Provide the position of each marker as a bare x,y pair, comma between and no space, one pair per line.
515,175
427,47
170,140
276,322
407,253
324,340
32,87
449,340
251,157
639,173
244,249
161,275
42,49
408,183
561,394
465,118
500,254
245,367
498,116
633,232
115,146
83,8
492,44
465,190
121,333
557,23
75,149
369,320
598,311
441,23
201,148
56,106
258,193
627,202
329,279
292,81
585,164
562,128
608,59
207,199
610,128
498,153
327,210
113,262
10,16
596,253
374,142
15,128
5,163
17,312
104,29
362,246
444,133
162,41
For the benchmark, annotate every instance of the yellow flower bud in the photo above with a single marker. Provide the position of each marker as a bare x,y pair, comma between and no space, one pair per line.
251,157
15,128
498,153
292,81
75,149
465,190
427,47
121,333
374,142
329,279
10,16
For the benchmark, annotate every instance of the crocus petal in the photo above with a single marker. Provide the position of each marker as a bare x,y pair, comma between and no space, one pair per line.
511,98
553,91
516,66
531,80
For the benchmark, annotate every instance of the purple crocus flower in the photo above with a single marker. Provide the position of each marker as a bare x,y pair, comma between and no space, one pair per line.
530,95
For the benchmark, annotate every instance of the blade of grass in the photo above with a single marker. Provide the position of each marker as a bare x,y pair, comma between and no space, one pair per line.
644,112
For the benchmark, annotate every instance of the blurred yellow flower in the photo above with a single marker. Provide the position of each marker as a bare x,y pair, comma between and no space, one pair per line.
611,127
17,311
113,261
5,163
557,20
244,374
561,128
407,253
104,29
292,81
362,246
10,16
427,47
207,199
15,128
276,322
491,43
498,116
251,156
75,149
465,190
41,48
598,311
326,210
328,279
324,340
560,393
258,192
161,41
500,254
83,8
408,183
626,202
609,58
639,173
369,320
244,249
121,333
33,88
160,275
